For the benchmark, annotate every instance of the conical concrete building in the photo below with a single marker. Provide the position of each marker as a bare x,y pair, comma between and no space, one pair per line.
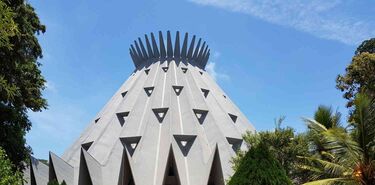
168,124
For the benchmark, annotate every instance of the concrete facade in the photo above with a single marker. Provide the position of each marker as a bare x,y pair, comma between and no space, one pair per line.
168,124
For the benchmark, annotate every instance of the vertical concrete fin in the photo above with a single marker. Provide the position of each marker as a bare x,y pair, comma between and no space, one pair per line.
169,45
38,171
176,52
60,170
171,175
126,174
89,170
148,45
163,53
184,142
191,48
235,143
130,143
216,176
139,52
144,53
160,113
199,57
184,46
155,46
195,55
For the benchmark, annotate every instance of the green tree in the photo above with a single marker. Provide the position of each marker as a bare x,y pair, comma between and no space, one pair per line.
351,154
285,145
259,167
21,82
8,27
359,76
54,182
7,175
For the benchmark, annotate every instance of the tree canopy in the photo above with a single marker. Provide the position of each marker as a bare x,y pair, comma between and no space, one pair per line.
21,81
7,175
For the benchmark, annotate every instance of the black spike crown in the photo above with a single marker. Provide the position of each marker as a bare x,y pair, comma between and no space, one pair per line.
146,54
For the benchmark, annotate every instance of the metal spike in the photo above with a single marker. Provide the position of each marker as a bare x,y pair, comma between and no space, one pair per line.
195,55
136,56
169,45
184,46
191,48
149,50
144,53
199,57
139,53
155,46
133,58
162,48
177,46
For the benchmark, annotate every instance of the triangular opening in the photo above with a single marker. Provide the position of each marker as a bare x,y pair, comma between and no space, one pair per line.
149,90
184,69
234,143
121,116
160,113
126,174
130,143
233,117
201,72
51,174
200,114
124,93
185,142
165,69
87,145
147,71
96,120
171,176
224,96
216,173
177,89
84,175
205,92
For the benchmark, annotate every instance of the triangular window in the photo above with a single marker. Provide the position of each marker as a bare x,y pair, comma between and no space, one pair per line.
177,89
200,114
160,113
130,143
205,92
185,142
233,117
122,116
149,90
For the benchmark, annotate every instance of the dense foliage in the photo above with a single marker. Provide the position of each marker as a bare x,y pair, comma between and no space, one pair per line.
7,175
54,182
21,82
259,167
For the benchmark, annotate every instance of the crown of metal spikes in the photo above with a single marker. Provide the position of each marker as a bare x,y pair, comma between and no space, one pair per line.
145,55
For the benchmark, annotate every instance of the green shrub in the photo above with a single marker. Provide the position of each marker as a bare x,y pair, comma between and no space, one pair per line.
7,175
259,167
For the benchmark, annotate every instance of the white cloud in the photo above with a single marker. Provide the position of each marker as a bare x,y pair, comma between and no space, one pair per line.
211,69
320,18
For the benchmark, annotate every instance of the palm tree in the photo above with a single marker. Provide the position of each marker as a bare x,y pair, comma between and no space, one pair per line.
350,154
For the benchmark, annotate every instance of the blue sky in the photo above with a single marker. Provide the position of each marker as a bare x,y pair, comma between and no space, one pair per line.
272,58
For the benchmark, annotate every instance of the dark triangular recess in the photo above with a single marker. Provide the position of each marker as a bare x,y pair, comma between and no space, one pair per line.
149,90
87,145
165,69
235,143
233,117
147,71
201,72
177,89
205,92
160,113
96,120
130,143
185,142
224,96
200,114
184,69
84,174
51,174
216,173
121,116
171,176
124,93
126,174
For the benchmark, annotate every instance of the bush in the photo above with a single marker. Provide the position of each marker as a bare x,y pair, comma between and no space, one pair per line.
7,175
259,167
